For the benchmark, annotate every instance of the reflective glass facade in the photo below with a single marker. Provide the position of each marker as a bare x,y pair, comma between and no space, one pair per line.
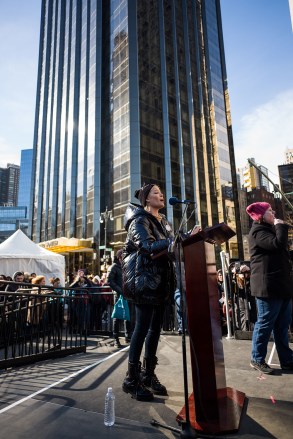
25,177
130,91
66,186
12,219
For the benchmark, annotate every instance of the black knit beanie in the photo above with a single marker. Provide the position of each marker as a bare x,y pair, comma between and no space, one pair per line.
142,193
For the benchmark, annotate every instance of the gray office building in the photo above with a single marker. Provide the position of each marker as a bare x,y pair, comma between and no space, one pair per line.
9,183
130,91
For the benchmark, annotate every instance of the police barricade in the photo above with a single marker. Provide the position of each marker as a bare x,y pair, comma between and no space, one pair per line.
40,322
242,309
242,304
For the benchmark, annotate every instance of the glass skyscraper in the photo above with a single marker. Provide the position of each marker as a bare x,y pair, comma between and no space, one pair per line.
130,91
25,177
12,218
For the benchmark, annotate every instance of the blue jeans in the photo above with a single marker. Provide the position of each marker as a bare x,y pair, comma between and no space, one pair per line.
273,315
148,324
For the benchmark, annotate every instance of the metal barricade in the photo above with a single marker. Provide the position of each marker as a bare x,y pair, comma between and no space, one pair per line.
240,305
242,309
37,323
35,327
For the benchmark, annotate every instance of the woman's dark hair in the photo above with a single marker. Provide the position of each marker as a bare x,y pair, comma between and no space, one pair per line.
142,193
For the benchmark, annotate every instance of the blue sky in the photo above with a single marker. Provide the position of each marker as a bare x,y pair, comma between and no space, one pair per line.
258,42
19,45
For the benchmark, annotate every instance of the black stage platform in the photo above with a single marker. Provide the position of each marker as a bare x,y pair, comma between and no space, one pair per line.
64,398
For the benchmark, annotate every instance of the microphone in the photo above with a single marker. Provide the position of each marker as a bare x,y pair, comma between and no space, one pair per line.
174,200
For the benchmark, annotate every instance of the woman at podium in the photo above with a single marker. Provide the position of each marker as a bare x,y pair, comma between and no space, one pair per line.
148,281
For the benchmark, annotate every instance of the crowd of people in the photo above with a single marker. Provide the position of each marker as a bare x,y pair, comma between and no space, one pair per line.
100,292
79,285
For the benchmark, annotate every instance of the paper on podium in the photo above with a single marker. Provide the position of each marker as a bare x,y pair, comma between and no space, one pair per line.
216,234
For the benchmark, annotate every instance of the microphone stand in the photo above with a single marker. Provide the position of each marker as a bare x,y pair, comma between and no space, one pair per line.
187,431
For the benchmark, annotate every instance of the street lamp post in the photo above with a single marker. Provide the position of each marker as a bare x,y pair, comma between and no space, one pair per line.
104,217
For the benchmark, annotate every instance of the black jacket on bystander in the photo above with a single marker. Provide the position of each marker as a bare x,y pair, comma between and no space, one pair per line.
271,270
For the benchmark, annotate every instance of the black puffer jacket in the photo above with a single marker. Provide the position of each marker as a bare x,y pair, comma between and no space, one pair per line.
115,278
146,280
269,261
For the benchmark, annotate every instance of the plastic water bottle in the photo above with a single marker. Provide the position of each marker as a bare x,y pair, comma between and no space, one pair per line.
109,415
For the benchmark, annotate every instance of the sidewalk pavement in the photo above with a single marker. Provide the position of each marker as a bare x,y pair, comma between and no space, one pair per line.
74,407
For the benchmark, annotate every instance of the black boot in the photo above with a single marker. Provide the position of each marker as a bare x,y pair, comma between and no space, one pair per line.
150,379
133,385
117,343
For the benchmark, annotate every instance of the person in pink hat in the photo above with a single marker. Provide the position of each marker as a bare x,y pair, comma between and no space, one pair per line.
271,284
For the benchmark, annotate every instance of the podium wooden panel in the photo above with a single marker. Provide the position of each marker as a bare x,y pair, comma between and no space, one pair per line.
213,408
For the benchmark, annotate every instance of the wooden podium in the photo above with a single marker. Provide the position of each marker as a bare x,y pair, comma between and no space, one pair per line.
213,407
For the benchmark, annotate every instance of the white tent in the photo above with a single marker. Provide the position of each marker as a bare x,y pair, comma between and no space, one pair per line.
19,253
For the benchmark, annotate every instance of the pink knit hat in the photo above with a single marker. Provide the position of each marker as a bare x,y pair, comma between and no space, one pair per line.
257,210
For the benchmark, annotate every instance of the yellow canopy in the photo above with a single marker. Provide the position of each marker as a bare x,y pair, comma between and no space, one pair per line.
67,245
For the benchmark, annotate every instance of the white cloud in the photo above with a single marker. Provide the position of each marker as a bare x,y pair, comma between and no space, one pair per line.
265,133
9,153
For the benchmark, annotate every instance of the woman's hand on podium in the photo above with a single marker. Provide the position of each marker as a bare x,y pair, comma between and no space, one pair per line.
195,230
